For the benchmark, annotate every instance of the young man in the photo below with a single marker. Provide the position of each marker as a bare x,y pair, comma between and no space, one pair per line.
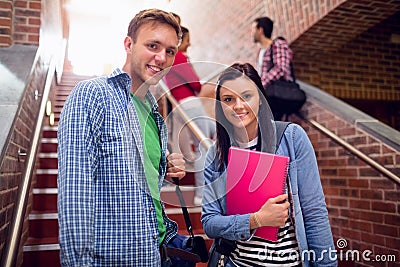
275,67
113,159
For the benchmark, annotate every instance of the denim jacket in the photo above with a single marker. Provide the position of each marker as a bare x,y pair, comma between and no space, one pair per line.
312,226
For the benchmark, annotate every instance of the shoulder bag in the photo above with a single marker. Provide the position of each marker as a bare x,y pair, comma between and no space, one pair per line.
287,94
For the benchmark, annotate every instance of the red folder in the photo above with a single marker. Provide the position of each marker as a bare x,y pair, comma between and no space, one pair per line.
252,178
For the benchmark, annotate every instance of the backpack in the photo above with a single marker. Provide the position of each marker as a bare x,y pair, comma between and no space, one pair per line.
284,97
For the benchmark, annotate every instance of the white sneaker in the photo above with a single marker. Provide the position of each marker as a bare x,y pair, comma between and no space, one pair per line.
197,200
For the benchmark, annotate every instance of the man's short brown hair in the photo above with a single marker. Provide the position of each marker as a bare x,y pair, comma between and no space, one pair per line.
156,16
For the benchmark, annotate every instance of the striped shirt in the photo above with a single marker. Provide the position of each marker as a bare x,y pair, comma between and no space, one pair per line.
261,252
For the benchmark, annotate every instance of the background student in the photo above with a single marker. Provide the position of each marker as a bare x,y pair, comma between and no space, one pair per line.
272,66
185,86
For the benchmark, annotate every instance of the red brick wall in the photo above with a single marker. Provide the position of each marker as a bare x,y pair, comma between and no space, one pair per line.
364,72
19,22
363,204
12,170
364,68
5,22
220,30
343,47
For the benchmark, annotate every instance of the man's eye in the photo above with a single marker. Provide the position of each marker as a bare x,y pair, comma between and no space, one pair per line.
152,46
227,99
247,96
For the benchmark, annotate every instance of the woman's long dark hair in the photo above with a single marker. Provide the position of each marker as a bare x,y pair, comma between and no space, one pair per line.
224,129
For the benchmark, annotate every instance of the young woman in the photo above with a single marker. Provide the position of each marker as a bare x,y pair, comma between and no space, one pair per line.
244,120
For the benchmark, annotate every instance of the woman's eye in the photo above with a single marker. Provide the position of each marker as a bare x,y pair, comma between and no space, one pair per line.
171,52
227,99
247,96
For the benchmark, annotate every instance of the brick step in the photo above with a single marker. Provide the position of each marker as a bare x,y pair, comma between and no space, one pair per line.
48,160
63,90
176,215
43,226
49,131
57,107
44,199
33,241
46,178
58,103
171,200
41,255
48,145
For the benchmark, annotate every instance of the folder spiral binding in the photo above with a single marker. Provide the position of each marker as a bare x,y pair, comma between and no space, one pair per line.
252,178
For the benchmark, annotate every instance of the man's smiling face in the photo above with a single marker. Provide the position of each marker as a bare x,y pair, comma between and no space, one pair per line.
154,50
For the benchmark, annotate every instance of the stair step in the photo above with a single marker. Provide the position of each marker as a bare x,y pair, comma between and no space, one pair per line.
48,145
170,198
46,178
176,215
44,200
36,244
42,257
43,225
48,160
49,131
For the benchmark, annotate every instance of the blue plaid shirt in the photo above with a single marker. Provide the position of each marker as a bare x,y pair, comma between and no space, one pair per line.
106,213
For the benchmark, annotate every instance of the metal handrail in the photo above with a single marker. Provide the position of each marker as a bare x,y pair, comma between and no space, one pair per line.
355,151
17,222
204,141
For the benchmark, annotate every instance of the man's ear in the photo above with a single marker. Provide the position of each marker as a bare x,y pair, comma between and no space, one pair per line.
128,42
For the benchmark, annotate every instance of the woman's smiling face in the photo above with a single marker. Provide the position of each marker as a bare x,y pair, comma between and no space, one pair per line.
240,102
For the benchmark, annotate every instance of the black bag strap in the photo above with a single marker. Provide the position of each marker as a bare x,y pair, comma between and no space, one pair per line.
272,61
184,208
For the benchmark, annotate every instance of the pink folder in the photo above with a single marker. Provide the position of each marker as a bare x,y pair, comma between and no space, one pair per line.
252,178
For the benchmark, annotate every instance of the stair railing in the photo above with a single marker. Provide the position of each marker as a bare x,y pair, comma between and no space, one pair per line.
204,141
13,239
354,150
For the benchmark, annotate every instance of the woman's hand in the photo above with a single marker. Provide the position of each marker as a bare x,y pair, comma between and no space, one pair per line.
175,166
274,212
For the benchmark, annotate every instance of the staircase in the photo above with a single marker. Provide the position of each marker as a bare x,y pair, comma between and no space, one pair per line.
42,248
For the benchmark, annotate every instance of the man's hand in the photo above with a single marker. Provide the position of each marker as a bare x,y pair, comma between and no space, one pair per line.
175,166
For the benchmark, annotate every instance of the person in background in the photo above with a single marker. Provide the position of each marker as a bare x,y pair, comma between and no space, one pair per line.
275,67
112,156
244,120
185,86
177,17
